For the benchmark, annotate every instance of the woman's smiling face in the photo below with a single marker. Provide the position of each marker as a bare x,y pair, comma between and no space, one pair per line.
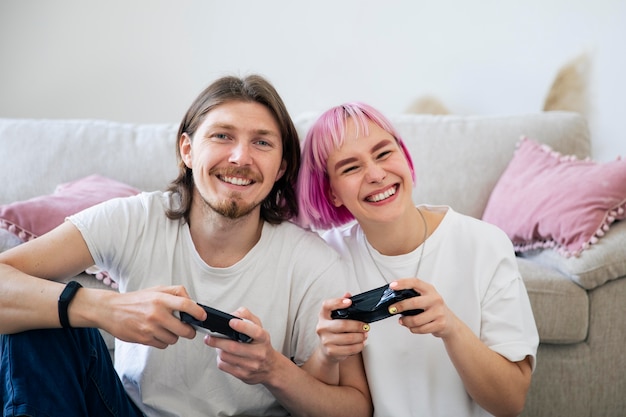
369,175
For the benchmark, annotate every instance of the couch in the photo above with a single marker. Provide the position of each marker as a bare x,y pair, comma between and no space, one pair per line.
578,301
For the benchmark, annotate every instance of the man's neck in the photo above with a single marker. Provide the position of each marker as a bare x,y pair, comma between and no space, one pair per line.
221,242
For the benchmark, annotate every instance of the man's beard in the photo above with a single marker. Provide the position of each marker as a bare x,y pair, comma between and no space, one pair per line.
231,208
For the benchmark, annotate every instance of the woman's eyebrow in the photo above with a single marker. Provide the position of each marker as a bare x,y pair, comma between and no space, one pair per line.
380,144
343,162
350,160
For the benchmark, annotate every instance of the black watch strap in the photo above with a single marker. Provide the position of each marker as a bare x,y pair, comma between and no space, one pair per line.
64,302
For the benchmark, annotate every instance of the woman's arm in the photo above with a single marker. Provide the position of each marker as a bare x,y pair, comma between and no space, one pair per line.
495,383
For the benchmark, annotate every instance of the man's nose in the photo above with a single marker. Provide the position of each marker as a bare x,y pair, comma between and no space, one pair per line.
240,154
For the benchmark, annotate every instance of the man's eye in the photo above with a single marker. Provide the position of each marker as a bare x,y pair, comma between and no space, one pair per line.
220,136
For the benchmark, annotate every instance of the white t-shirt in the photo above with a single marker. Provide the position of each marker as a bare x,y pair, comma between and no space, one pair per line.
472,265
282,280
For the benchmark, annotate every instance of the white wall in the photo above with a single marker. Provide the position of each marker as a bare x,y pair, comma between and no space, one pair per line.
145,60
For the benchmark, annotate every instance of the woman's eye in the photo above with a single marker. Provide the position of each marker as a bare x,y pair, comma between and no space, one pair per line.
349,169
383,154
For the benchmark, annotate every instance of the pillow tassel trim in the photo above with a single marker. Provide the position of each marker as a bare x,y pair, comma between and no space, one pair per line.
18,231
101,275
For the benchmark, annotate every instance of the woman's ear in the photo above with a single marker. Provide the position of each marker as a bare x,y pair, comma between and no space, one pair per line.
334,199
184,146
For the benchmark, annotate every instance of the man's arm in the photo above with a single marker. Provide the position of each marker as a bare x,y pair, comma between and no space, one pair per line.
29,294
27,301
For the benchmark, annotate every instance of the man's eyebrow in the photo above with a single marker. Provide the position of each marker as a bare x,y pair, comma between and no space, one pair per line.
228,126
267,132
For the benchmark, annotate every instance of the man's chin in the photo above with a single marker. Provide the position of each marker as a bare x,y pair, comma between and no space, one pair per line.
233,210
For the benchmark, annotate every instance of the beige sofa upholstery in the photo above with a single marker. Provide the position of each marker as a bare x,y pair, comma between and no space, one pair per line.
579,304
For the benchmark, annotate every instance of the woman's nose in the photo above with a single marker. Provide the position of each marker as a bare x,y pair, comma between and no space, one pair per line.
375,173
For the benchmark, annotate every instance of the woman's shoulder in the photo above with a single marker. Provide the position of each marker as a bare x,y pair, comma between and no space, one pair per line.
474,229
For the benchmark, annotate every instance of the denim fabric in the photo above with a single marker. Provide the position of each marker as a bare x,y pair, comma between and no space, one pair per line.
60,372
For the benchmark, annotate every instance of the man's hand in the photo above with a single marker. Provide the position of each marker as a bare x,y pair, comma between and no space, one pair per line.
253,363
147,316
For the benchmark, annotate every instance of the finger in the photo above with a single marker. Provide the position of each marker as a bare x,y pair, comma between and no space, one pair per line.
177,290
349,326
187,305
345,339
334,304
246,314
407,283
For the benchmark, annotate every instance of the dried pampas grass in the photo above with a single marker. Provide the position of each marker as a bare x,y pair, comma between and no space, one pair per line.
427,105
569,90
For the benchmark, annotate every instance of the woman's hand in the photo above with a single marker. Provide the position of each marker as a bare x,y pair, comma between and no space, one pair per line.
437,319
340,338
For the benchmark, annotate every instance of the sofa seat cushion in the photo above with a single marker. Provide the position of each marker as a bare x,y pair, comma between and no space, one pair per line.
561,304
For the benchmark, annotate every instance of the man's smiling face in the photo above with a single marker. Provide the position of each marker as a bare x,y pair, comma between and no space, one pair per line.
236,157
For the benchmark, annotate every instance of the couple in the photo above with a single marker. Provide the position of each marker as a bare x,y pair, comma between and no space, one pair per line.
219,236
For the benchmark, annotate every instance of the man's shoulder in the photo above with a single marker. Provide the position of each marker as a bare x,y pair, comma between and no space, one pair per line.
140,207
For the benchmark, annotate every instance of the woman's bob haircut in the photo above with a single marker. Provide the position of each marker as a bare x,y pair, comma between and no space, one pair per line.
327,134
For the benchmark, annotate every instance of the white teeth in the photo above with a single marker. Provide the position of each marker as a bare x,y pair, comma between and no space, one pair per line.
236,181
381,196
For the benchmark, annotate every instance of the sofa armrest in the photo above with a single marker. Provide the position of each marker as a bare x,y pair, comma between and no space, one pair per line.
601,262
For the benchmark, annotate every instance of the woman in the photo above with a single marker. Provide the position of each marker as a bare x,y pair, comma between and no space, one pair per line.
472,350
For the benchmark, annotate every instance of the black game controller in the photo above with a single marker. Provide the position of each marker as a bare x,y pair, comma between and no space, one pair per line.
373,305
216,324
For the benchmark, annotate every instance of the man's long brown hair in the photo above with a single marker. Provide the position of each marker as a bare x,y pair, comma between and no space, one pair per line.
281,203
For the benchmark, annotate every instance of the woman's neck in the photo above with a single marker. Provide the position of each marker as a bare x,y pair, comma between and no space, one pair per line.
400,236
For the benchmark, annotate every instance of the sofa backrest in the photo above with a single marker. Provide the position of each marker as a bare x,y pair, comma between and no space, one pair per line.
458,159
37,155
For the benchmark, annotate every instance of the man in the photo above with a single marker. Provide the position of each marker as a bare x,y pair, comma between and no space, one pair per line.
219,237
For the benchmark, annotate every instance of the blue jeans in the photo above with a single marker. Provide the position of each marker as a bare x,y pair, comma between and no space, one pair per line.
60,372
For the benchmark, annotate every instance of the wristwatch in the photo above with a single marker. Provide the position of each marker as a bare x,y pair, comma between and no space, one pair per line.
65,299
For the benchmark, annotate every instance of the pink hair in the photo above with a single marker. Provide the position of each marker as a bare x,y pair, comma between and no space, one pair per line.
326,135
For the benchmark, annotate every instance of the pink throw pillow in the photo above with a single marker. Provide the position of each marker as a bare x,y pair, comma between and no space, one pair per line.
547,200
32,218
